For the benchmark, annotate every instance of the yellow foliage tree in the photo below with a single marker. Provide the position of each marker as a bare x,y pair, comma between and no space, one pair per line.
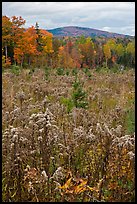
107,52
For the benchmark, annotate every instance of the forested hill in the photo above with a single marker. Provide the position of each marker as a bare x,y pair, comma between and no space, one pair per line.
37,47
75,31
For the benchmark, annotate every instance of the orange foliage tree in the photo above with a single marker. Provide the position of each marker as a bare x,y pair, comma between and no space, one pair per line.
6,35
87,51
26,46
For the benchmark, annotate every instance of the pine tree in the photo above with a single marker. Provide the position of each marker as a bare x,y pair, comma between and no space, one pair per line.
39,44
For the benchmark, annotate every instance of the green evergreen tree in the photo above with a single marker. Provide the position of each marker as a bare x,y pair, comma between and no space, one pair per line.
39,44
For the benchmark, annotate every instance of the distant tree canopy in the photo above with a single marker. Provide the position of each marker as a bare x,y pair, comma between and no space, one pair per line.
37,47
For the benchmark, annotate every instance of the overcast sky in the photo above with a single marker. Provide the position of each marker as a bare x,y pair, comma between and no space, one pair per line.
116,17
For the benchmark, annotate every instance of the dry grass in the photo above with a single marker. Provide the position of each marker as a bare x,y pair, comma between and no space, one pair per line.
52,155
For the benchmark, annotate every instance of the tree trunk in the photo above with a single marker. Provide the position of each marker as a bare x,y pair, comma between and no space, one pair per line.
6,52
22,62
106,63
29,61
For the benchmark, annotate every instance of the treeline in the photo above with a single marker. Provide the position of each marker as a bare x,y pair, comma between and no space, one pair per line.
38,48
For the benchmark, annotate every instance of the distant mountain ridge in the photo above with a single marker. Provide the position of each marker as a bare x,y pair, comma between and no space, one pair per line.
75,31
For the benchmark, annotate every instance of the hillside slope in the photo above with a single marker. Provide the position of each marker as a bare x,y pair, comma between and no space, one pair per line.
75,31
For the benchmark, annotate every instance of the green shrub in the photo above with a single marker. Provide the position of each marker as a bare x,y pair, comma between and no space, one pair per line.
74,72
103,69
79,96
115,68
89,74
25,65
130,121
68,102
60,71
67,72
85,70
15,69
76,84
47,73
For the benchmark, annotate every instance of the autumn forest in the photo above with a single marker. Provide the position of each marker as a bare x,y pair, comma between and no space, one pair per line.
37,47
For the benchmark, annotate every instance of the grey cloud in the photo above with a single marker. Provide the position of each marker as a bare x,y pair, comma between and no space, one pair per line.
129,30
115,15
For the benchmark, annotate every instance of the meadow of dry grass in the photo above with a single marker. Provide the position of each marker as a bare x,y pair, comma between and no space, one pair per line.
54,150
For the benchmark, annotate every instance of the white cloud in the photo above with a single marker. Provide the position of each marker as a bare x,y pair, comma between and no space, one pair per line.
118,16
129,30
106,28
